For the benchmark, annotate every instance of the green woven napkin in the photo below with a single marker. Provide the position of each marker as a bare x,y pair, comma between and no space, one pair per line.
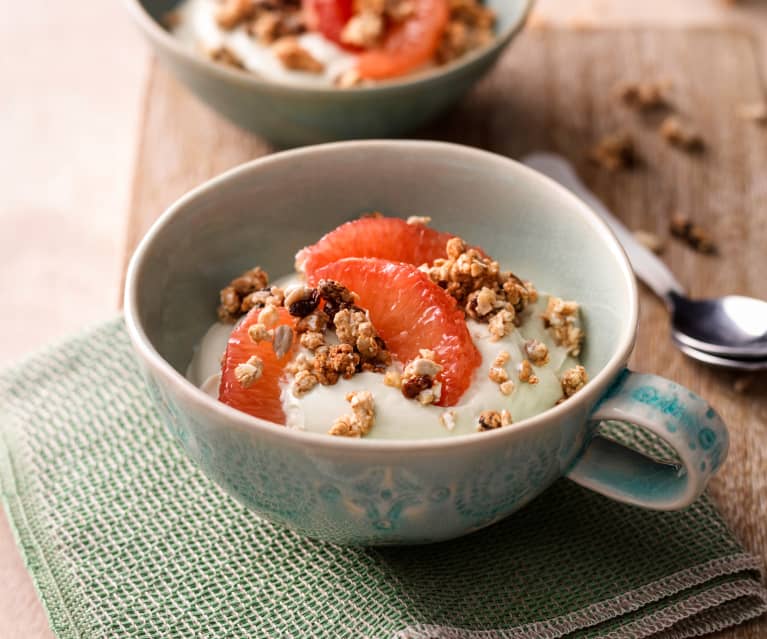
125,538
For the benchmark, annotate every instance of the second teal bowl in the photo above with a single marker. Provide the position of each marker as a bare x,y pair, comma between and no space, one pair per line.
293,116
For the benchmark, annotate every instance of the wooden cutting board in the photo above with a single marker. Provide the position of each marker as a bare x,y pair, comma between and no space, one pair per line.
556,90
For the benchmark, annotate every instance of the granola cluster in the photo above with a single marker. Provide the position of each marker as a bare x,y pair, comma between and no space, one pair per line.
249,290
360,421
418,380
359,347
615,152
471,26
692,234
572,380
526,374
681,135
485,293
560,319
644,96
492,419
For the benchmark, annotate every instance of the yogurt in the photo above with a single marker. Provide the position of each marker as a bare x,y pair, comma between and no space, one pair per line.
196,28
400,418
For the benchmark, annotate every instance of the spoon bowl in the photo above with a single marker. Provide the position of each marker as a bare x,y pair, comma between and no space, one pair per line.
732,326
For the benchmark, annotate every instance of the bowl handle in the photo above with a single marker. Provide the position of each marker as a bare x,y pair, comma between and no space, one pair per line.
657,407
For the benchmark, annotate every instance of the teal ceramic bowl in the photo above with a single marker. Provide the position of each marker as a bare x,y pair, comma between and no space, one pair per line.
292,116
370,491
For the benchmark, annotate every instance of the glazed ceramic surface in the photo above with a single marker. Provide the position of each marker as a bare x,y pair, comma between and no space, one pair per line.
292,116
389,492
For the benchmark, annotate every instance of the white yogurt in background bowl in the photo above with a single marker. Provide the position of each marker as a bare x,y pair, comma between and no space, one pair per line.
404,491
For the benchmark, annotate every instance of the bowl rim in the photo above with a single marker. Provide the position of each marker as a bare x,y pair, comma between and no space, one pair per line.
158,34
235,418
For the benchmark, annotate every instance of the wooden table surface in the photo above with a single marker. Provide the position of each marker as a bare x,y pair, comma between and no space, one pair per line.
561,101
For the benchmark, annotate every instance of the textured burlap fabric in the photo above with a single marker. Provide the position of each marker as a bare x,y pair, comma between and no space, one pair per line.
125,538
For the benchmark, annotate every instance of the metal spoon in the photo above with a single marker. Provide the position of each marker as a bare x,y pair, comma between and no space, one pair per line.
723,362
726,331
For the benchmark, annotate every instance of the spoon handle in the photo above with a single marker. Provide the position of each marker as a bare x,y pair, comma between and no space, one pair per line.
647,266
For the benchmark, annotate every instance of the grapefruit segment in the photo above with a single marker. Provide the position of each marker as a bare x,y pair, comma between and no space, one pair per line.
388,238
409,44
410,312
262,398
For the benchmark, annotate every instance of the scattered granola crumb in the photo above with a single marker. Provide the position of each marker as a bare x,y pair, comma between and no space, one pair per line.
364,29
271,24
506,388
572,380
269,316
259,333
492,419
502,323
560,317
502,358
447,419
348,79
417,381
312,340
498,374
232,12
393,378
532,292
676,134
283,340
455,42
430,395
399,10
537,352
423,220
293,56
234,296
266,27
650,241
362,418
754,112
643,96
526,374
615,152
224,55
301,300
692,234
303,382
470,26
248,372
